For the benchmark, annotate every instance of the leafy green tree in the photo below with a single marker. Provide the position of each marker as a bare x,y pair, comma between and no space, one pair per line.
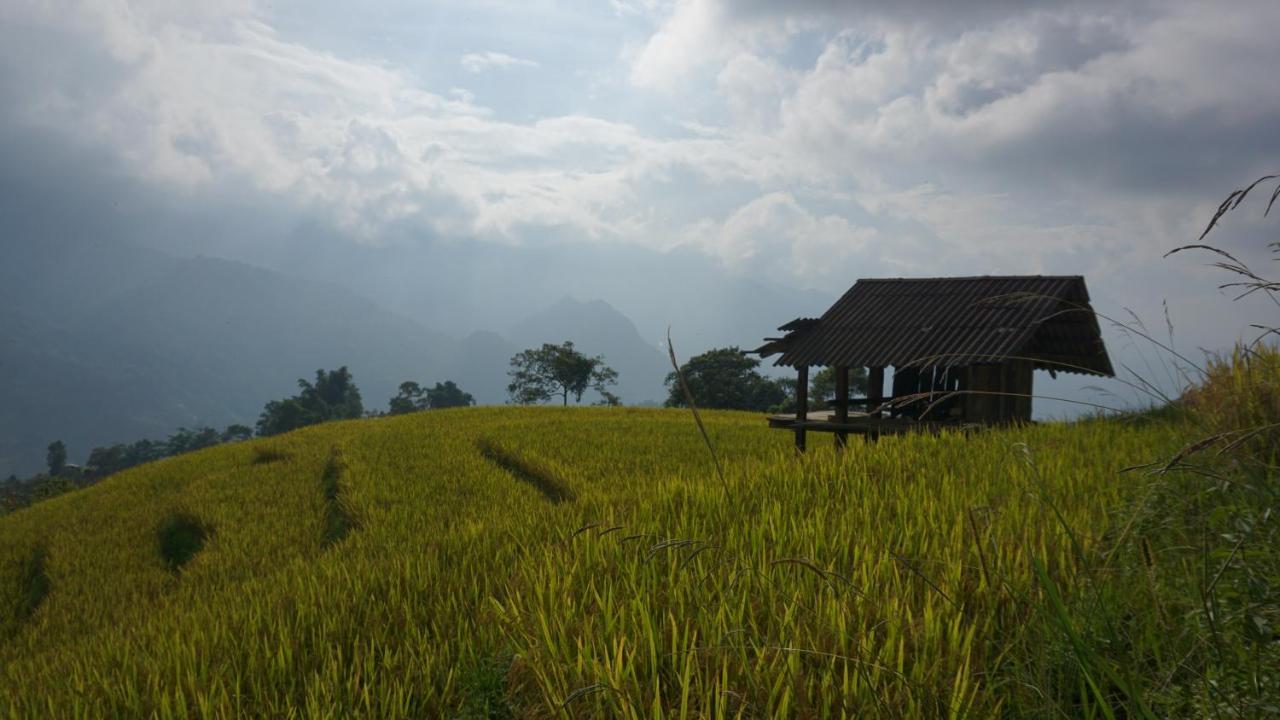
12,496
608,399
56,457
447,395
725,378
333,396
144,451
185,440
822,385
236,433
411,398
44,488
110,459
540,374
280,416
104,461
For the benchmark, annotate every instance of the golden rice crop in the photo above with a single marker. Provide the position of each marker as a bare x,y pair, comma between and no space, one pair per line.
543,561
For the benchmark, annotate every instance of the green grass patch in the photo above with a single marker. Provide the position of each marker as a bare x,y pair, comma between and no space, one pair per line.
484,690
179,538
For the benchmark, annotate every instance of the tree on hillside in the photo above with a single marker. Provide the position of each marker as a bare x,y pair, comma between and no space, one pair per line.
411,398
540,374
284,415
186,440
447,395
45,487
56,458
236,433
110,459
333,396
725,378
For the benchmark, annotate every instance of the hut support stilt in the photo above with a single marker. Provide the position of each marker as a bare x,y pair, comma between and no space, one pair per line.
875,390
802,403
842,404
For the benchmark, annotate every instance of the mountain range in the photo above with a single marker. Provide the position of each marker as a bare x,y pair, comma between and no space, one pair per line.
104,342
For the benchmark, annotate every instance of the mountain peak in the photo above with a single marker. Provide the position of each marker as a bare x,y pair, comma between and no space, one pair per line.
597,328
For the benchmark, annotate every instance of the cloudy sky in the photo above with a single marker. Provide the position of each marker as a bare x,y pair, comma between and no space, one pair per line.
807,142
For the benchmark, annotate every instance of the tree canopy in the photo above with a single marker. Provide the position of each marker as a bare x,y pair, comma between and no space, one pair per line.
236,433
725,378
822,385
413,397
56,457
333,396
190,440
447,395
540,374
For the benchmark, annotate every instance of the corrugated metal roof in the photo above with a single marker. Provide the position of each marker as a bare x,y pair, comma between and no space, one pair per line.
927,322
799,323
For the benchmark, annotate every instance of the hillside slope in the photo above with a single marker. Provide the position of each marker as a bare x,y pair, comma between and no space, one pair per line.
485,561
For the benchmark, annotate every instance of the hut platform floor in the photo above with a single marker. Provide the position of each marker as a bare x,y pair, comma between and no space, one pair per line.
861,424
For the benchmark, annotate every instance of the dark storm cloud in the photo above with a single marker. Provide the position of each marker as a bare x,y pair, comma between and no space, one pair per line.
1090,99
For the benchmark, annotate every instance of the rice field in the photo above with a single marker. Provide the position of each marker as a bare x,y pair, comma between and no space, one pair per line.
548,562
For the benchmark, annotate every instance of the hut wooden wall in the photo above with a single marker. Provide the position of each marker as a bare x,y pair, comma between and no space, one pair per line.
1002,392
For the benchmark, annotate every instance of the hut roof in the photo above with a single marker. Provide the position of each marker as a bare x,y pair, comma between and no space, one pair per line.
942,322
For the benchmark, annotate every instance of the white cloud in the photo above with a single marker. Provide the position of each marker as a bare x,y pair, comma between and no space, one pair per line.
697,34
477,63
678,46
1015,140
357,141
774,235
1091,96
753,88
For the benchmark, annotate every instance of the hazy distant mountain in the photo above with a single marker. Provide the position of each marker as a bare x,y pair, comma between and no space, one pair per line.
266,329
462,287
103,340
112,343
595,328
115,344
479,364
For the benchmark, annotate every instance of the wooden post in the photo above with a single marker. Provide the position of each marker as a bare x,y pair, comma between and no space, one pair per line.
1023,372
842,404
802,404
875,389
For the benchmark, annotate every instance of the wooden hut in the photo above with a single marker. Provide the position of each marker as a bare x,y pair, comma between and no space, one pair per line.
963,351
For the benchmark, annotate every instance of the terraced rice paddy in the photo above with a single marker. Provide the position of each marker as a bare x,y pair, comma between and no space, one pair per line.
546,562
